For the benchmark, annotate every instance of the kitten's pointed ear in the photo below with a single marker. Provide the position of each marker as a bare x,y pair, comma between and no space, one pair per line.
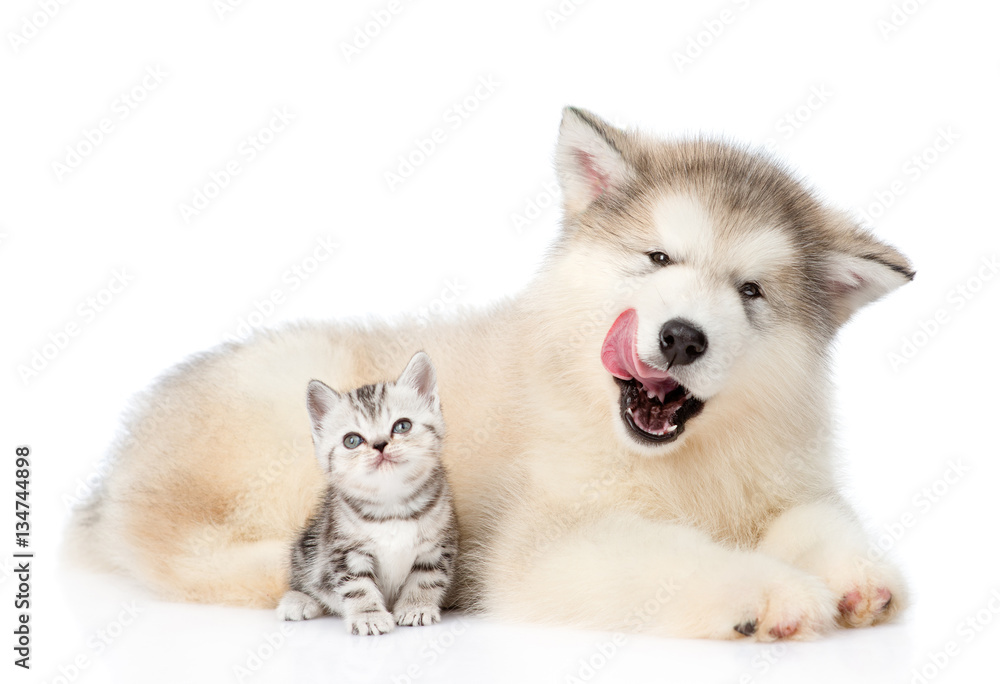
419,374
319,400
860,269
589,159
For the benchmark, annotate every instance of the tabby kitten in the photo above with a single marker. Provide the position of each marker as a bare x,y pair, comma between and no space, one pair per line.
384,537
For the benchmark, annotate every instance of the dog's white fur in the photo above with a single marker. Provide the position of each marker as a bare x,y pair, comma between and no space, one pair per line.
564,516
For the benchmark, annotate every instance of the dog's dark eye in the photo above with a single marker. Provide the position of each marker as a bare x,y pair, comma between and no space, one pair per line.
659,258
751,290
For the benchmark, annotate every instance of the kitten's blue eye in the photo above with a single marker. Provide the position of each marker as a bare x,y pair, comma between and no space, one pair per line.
353,441
402,426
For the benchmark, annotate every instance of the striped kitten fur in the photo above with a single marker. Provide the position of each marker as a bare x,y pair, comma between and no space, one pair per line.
384,538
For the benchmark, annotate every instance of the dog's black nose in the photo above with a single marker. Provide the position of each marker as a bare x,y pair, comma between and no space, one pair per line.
681,342
380,446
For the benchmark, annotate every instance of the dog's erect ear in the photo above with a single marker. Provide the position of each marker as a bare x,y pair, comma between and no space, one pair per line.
589,161
860,269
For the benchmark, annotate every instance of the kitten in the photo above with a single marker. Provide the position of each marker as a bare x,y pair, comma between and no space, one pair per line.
385,536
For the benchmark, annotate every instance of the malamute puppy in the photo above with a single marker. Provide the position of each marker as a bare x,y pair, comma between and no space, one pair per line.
641,440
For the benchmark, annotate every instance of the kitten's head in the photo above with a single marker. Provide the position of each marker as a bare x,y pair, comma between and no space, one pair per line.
381,433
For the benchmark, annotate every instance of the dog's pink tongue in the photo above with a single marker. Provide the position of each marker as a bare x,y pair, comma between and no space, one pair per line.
620,357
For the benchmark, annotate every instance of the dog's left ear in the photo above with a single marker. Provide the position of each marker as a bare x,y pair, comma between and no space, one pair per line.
589,160
860,269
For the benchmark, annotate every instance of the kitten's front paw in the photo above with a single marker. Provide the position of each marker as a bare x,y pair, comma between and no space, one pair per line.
785,604
295,605
415,616
370,623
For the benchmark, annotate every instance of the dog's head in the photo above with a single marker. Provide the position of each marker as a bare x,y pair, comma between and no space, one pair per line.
725,275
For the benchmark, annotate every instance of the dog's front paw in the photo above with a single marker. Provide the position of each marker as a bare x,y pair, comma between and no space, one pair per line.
370,623
414,616
824,539
295,605
870,593
785,603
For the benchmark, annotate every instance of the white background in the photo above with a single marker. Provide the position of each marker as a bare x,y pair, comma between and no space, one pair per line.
888,95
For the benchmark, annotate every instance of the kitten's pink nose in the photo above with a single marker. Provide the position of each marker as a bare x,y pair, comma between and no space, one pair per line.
380,446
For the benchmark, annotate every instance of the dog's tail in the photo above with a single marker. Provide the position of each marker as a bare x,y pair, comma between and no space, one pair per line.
253,574
202,565
81,541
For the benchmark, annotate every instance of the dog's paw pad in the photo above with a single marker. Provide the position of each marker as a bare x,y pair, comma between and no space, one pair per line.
795,606
784,630
859,608
849,602
747,628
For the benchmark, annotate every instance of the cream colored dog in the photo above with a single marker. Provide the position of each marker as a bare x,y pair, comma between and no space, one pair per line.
641,440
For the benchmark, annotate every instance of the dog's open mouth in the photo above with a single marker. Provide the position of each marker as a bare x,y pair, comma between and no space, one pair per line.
651,418
654,406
